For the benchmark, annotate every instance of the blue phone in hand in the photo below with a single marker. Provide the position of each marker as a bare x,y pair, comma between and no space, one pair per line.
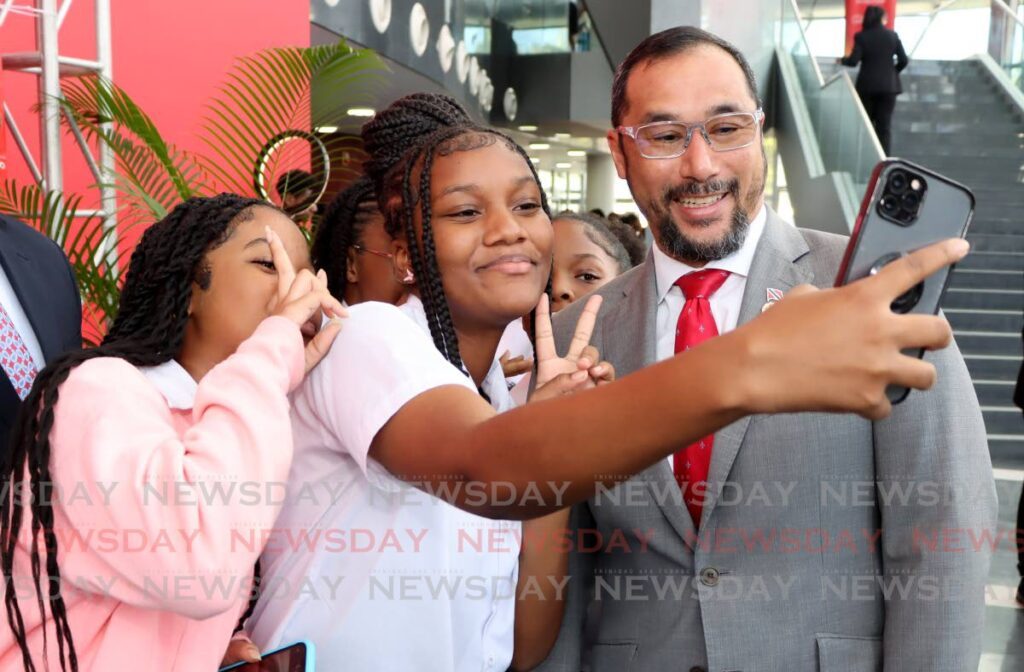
297,657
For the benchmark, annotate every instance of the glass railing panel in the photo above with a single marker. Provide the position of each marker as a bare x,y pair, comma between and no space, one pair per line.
845,138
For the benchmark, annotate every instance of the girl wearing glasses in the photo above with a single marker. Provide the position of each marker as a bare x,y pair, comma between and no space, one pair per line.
355,250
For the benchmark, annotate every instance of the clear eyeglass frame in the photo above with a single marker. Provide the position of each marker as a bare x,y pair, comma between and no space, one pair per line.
385,255
756,117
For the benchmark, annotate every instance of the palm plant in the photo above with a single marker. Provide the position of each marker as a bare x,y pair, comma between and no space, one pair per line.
266,97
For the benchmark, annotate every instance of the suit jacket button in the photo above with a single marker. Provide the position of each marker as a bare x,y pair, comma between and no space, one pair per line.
709,576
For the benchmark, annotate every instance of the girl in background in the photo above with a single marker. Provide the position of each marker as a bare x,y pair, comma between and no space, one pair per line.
587,256
353,248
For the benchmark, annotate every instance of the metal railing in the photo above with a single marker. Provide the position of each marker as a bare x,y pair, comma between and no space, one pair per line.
845,136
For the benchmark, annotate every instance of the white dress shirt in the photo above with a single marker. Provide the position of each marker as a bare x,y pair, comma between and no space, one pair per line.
395,579
725,303
9,300
494,385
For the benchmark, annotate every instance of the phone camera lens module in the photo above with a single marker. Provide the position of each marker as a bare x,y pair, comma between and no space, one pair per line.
890,204
898,182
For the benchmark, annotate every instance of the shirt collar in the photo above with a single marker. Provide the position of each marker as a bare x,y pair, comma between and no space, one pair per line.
495,385
667,270
174,382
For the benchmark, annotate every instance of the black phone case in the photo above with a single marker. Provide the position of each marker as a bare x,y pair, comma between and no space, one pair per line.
945,212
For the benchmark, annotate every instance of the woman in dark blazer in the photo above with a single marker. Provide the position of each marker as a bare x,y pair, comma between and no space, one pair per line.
880,55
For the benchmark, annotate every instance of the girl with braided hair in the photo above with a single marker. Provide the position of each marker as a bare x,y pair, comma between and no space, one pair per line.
354,249
398,455
189,386
395,130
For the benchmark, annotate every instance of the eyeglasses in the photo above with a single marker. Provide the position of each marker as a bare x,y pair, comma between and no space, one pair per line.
360,248
669,139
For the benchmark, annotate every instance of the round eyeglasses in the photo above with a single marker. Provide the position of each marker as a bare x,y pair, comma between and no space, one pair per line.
669,139
360,248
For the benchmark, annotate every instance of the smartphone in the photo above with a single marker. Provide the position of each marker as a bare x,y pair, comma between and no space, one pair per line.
297,657
906,207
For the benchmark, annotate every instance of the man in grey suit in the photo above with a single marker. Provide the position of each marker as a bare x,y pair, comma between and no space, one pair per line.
805,542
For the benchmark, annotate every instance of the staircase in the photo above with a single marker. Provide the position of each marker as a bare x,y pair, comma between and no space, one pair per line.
953,118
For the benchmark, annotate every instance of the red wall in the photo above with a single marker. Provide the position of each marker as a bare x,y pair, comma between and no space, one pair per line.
169,55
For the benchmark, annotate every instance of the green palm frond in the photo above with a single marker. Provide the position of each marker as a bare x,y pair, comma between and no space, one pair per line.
145,161
270,93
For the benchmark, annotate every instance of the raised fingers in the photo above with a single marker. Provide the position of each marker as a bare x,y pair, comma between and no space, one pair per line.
584,327
543,337
282,263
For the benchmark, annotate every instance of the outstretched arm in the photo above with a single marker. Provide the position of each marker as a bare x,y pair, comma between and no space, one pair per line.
822,350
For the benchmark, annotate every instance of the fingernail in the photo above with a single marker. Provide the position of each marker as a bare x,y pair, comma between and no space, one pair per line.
961,246
598,370
267,233
254,652
579,376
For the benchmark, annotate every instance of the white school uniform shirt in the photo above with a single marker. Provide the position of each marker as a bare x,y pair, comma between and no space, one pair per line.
378,574
725,303
15,311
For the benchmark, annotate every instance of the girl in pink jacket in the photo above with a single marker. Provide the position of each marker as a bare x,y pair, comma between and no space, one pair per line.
138,482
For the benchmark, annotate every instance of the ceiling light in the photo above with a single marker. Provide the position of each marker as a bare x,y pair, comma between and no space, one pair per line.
562,136
576,152
528,128
563,164
539,145
360,111
534,159
326,130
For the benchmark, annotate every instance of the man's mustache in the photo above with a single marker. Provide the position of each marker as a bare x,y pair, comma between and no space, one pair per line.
678,191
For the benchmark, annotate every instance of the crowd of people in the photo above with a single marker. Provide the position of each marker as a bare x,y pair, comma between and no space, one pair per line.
438,488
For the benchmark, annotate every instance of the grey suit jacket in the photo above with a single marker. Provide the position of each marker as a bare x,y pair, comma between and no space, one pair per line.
828,542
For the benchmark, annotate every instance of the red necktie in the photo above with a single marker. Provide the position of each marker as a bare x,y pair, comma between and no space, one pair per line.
696,325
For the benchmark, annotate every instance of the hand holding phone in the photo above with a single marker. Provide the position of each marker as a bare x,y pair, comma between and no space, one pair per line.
905,208
297,657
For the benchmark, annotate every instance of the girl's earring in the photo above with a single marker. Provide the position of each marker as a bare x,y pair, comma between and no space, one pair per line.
408,278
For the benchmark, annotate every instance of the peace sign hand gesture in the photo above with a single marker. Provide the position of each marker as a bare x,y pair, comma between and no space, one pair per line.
580,368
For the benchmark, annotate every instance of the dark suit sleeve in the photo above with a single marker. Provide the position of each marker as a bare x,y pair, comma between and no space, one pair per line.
901,55
853,59
73,331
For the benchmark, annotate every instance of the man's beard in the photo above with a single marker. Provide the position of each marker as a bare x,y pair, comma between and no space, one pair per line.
679,246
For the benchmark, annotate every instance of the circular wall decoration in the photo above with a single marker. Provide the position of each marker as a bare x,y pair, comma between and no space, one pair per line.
419,29
445,48
474,76
486,93
461,62
510,104
264,175
380,13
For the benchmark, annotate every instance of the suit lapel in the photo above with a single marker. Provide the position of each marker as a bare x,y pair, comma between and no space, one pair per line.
775,266
630,323
628,327
22,273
